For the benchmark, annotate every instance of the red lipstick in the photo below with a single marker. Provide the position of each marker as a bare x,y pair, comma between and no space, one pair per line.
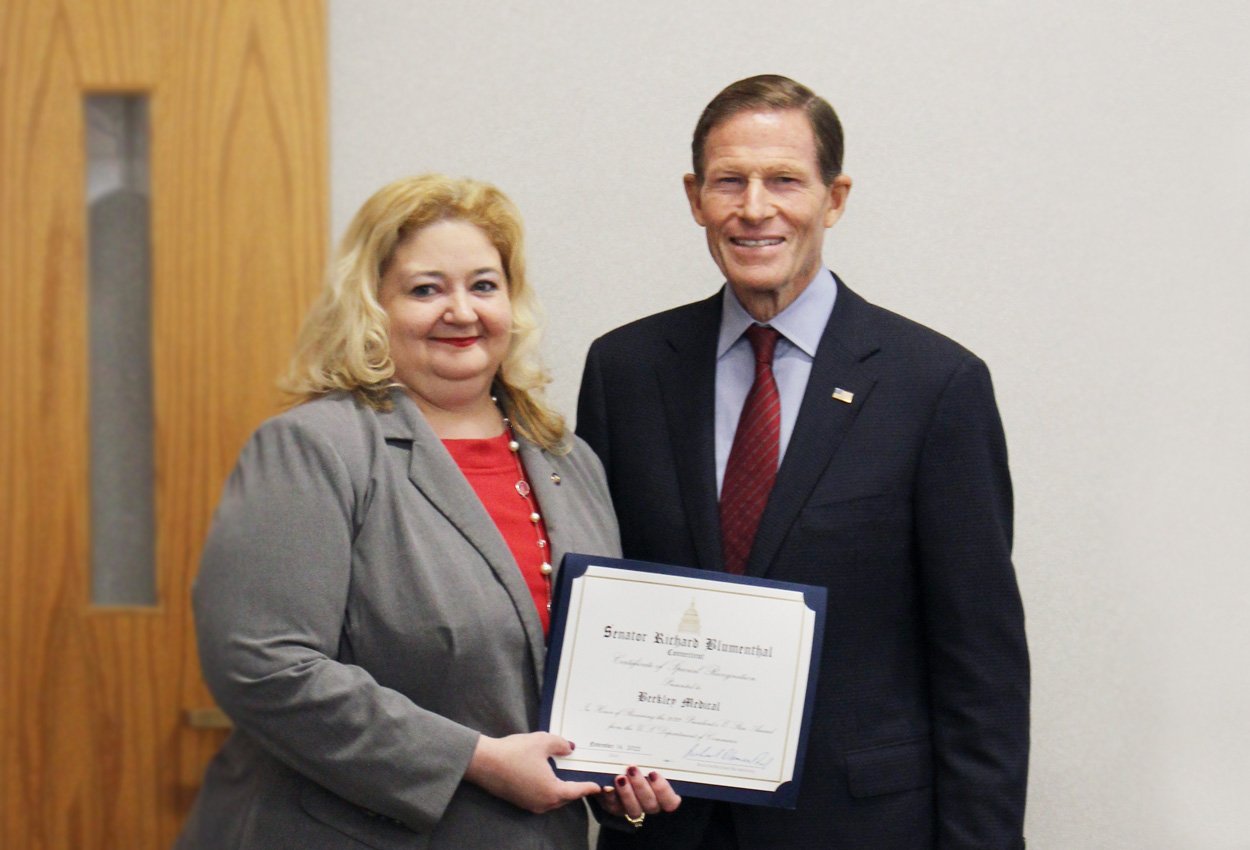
457,341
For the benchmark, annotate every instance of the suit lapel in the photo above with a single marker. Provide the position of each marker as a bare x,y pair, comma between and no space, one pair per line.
841,363
433,472
688,386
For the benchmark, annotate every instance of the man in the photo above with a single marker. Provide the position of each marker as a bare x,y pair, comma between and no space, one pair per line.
852,449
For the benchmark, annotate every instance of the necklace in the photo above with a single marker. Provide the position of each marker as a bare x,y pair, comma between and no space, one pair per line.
523,490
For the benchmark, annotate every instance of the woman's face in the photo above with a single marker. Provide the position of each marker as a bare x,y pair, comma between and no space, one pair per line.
450,316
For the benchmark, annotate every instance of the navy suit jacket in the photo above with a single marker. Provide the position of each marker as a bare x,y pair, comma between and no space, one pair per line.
899,502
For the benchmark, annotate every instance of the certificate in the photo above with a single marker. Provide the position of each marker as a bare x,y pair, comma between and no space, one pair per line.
706,677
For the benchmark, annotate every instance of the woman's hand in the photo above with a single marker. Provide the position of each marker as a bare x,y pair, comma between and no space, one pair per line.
634,795
515,768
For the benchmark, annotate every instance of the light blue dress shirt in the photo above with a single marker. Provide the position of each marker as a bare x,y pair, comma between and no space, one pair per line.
800,325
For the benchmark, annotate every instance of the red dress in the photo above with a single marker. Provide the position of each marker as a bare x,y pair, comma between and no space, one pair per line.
494,472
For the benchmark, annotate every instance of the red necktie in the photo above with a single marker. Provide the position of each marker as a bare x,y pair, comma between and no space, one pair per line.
752,465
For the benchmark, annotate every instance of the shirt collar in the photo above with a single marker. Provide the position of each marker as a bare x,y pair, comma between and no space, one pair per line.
802,323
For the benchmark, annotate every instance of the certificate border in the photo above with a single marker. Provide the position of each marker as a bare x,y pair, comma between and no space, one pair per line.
575,565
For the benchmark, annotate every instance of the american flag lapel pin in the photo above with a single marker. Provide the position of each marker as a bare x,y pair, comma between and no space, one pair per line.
844,396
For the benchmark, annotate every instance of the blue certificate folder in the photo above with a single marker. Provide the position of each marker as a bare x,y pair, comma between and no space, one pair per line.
573,567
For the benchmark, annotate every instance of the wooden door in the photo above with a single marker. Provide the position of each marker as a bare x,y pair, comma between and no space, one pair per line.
96,750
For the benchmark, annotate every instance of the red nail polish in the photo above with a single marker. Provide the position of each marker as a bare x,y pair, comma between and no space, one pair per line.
652,776
633,771
572,746
620,780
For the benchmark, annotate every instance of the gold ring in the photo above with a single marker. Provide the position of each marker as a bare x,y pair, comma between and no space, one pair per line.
637,822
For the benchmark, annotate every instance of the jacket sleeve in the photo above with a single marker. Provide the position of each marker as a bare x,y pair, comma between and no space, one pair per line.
978,657
592,417
270,603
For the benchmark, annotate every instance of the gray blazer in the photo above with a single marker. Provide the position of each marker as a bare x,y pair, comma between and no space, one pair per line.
362,620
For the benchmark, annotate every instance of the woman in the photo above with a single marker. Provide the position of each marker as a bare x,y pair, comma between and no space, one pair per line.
372,602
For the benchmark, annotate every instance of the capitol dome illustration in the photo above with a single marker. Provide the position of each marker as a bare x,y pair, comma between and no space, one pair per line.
690,620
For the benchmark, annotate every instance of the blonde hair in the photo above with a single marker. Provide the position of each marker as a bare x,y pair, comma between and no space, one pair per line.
344,343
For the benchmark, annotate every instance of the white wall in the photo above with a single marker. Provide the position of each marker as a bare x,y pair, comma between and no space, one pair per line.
1062,187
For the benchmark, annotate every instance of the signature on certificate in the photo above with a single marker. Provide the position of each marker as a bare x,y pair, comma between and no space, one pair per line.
728,755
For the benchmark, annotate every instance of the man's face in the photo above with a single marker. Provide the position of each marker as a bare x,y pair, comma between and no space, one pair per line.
764,207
